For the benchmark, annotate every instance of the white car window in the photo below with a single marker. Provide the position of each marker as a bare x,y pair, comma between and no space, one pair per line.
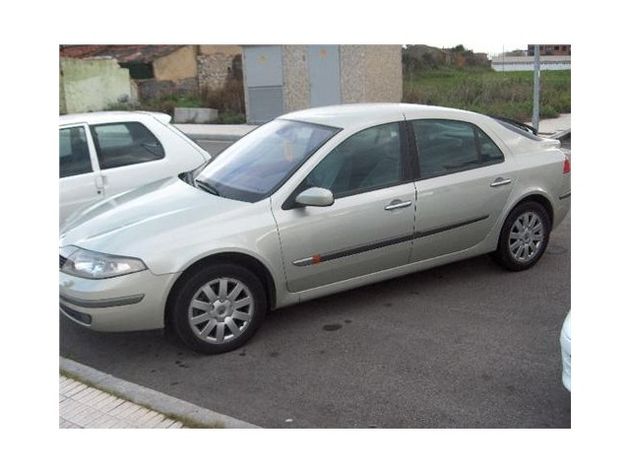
369,159
74,154
122,144
448,146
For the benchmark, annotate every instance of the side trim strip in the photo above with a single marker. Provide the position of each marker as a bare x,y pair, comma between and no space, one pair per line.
315,259
448,227
565,196
100,303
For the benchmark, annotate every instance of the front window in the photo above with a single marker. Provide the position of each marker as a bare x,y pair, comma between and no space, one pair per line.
260,162
370,159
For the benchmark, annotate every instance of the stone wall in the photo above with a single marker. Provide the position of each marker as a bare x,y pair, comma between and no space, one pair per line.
214,70
87,85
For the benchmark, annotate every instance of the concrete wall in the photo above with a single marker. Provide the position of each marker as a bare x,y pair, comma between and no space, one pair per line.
371,73
383,73
296,92
91,84
353,70
180,64
368,73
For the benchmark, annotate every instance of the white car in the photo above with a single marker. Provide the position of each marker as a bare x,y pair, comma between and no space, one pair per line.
565,349
310,204
105,153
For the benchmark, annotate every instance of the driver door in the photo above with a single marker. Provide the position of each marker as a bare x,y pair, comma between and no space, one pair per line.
369,226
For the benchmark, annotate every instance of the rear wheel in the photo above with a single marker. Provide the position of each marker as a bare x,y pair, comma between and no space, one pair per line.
219,308
524,237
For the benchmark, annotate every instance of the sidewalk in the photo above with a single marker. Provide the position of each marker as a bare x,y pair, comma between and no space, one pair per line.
89,398
555,126
549,126
81,406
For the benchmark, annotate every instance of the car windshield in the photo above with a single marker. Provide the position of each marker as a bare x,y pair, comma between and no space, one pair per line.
260,162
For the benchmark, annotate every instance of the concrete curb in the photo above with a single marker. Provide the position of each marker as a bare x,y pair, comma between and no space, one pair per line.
163,403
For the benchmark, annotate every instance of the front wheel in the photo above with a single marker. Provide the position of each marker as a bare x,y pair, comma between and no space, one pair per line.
524,237
218,308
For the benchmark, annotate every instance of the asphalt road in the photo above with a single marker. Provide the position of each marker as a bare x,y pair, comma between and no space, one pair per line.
464,345
214,147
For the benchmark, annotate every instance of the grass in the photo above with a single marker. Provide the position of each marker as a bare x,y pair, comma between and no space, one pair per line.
507,94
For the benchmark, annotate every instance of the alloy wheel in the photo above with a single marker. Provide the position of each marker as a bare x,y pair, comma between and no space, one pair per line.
526,237
221,310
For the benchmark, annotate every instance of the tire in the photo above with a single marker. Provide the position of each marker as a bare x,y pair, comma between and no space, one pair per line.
524,237
218,308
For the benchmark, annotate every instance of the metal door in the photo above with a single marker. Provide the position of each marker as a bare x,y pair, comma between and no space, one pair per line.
323,72
263,75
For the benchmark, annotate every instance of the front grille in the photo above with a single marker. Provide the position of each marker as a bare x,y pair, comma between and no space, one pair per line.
62,261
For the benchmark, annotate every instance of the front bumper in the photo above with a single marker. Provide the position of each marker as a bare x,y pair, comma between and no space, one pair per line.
124,303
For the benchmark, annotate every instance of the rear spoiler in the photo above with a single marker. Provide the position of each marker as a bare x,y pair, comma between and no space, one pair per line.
517,124
161,117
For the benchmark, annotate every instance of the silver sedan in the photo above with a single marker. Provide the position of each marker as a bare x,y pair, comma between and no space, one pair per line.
312,203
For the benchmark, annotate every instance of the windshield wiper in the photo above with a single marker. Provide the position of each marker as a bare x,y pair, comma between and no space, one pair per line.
206,187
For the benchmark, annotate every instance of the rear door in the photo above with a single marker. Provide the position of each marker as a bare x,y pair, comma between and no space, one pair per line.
369,226
78,170
463,187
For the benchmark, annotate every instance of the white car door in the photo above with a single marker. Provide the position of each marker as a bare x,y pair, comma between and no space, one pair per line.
464,185
368,228
78,170
135,153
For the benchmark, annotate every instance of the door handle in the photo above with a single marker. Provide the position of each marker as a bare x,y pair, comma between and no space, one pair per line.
101,183
397,204
501,181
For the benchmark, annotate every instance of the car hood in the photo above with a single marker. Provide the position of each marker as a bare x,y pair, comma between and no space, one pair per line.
135,217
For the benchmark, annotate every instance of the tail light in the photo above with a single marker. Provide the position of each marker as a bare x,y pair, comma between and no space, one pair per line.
566,169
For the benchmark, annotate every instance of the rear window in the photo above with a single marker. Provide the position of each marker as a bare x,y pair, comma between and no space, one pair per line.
122,144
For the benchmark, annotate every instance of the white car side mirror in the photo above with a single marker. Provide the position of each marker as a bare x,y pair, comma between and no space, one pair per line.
315,197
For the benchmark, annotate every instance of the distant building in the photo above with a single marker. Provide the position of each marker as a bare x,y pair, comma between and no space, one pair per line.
279,79
550,49
159,70
526,63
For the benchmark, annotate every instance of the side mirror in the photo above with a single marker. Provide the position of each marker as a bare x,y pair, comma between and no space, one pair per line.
315,197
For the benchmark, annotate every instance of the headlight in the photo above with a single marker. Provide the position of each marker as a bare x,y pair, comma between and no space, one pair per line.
94,265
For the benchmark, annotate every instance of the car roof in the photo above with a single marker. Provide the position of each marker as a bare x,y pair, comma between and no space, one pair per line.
114,116
364,114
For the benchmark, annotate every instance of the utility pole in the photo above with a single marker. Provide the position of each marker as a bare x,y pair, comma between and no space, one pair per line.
536,111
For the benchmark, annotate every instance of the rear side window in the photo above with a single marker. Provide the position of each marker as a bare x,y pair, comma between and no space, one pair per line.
448,146
123,144
74,154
